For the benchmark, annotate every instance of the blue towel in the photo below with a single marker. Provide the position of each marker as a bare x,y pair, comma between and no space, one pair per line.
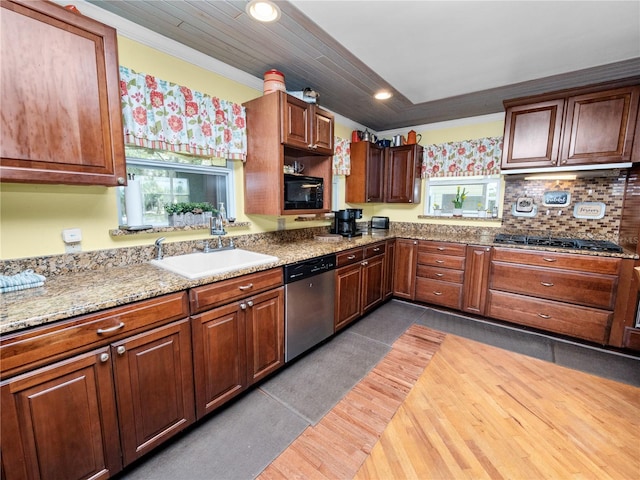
20,281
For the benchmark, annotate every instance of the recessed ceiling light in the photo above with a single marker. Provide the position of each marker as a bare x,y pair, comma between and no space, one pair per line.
382,95
263,10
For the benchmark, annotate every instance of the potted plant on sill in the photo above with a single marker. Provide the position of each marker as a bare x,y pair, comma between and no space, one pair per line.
189,213
458,201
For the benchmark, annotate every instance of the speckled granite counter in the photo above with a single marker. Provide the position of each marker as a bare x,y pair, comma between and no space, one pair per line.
78,293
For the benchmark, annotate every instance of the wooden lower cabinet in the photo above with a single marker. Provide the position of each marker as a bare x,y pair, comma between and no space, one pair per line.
404,268
440,273
476,279
153,375
360,282
236,345
60,421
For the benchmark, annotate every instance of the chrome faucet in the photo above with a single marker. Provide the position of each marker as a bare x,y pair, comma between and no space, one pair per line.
159,248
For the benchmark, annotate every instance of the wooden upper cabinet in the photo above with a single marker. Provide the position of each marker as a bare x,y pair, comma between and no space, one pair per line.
403,174
61,114
584,126
306,126
367,179
532,134
599,127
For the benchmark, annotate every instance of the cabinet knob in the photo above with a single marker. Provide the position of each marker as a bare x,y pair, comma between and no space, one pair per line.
365,263
104,357
243,306
121,350
250,303
120,180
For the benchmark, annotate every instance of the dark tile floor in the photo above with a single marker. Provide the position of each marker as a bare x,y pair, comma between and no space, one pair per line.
241,439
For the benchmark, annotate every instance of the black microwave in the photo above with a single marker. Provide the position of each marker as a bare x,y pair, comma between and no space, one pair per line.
303,193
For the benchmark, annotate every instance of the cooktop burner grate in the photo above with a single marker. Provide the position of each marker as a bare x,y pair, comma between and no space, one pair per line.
574,243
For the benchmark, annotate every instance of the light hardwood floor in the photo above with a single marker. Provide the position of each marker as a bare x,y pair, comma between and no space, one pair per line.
475,412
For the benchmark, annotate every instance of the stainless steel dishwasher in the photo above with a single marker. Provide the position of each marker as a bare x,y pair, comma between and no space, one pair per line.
309,294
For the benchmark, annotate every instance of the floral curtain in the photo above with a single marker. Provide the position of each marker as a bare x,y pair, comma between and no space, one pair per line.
457,159
341,156
162,115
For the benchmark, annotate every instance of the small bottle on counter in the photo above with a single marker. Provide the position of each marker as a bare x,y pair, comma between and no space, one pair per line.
223,212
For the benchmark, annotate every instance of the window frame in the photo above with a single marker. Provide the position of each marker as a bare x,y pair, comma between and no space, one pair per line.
462,182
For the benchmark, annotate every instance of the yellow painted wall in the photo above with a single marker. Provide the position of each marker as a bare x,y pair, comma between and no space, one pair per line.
32,217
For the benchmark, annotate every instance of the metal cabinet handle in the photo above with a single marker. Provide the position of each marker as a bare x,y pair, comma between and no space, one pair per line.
246,287
437,293
365,263
439,261
100,331
442,249
377,249
351,257
542,315
546,284
250,303
121,350
439,274
550,259
104,357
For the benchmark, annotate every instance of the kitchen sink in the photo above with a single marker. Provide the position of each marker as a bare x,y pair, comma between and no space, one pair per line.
200,264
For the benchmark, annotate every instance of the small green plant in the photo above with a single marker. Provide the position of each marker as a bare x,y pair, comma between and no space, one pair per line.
460,198
189,207
436,206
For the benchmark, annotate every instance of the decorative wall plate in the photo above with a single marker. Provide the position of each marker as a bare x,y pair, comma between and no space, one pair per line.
589,210
556,198
524,204
516,213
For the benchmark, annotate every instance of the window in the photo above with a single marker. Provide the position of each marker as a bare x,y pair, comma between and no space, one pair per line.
169,177
483,193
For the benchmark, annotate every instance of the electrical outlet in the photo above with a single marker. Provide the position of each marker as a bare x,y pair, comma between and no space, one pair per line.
281,224
72,247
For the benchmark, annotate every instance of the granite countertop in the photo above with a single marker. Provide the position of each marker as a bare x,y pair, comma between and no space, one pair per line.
74,294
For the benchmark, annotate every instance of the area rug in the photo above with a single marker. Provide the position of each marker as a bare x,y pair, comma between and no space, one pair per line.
338,444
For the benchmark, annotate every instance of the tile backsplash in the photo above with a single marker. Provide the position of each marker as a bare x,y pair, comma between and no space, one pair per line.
608,189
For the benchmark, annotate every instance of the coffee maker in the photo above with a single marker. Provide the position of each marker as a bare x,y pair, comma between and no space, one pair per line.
345,222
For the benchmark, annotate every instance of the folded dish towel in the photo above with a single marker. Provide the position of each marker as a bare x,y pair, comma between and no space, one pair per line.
20,281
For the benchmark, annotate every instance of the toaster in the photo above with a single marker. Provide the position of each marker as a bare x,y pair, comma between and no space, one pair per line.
380,223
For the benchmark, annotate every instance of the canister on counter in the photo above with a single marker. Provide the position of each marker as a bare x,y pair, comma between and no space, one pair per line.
273,81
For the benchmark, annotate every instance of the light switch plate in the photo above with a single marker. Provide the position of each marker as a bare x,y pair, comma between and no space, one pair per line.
71,235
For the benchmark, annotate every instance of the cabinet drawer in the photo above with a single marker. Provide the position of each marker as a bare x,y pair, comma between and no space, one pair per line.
24,350
565,261
439,260
442,274
440,293
350,256
220,293
375,249
591,290
443,248
582,322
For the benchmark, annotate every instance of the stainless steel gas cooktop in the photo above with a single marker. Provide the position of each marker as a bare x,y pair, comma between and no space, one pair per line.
559,242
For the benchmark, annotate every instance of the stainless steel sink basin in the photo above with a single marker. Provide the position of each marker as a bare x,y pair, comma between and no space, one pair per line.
198,265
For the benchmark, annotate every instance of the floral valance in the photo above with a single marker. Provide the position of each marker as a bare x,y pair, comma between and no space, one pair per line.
341,156
162,115
456,159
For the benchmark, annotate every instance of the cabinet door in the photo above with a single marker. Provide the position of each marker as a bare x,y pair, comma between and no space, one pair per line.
532,134
348,298
402,172
61,115
404,272
322,128
599,127
296,123
372,282
388,269
219,356
476,279
60,421
265,333
374,186
154,384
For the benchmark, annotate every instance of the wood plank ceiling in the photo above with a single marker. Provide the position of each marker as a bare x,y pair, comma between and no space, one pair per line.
309,57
